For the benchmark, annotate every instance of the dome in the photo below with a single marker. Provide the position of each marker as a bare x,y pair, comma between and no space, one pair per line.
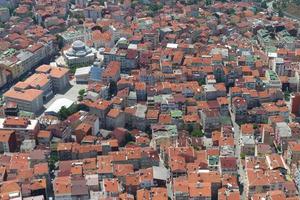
78,49
78,45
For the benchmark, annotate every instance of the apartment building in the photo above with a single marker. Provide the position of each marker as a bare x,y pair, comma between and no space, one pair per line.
39,82
7,141
260,181
58,76
24,128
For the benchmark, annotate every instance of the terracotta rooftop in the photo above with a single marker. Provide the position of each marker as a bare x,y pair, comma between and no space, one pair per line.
23,95
16,121
5,135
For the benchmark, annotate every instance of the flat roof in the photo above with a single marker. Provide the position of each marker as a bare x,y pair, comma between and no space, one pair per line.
58,104
83,71
31,126
172,45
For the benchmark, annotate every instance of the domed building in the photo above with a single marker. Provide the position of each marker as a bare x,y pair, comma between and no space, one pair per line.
79,54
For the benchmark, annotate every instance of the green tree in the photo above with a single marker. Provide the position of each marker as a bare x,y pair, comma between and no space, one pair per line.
280,13
274,5
201,81
196,147
101,2
264,5
148,130
208,2
113,89
11,11
155,7
128,139
255,126
81,94
52,161
63,113
133,4
231,11
287,95
197,133
243,156
2,25
73,109
190,128
60,42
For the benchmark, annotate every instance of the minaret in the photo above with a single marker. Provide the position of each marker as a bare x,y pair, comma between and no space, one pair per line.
87,34
84,33
67,21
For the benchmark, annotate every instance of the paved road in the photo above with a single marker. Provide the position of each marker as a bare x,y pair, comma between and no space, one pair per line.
237,137
286,14
169,186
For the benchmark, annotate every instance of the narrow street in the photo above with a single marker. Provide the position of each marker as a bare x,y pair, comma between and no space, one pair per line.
237,137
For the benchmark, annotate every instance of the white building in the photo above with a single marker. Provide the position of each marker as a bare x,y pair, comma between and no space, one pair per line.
55,107
79,54
82,74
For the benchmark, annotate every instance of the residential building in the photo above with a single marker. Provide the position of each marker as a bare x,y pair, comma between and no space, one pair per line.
228,165
58,76
163,133
115,118
4,14
112,72
39,82
210,120
293,152
24,128
259,181
8,141
94,12
239,109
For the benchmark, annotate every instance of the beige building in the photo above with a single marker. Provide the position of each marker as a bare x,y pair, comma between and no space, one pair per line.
58,76
8,61
19,62
30,100
39,82
260,181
